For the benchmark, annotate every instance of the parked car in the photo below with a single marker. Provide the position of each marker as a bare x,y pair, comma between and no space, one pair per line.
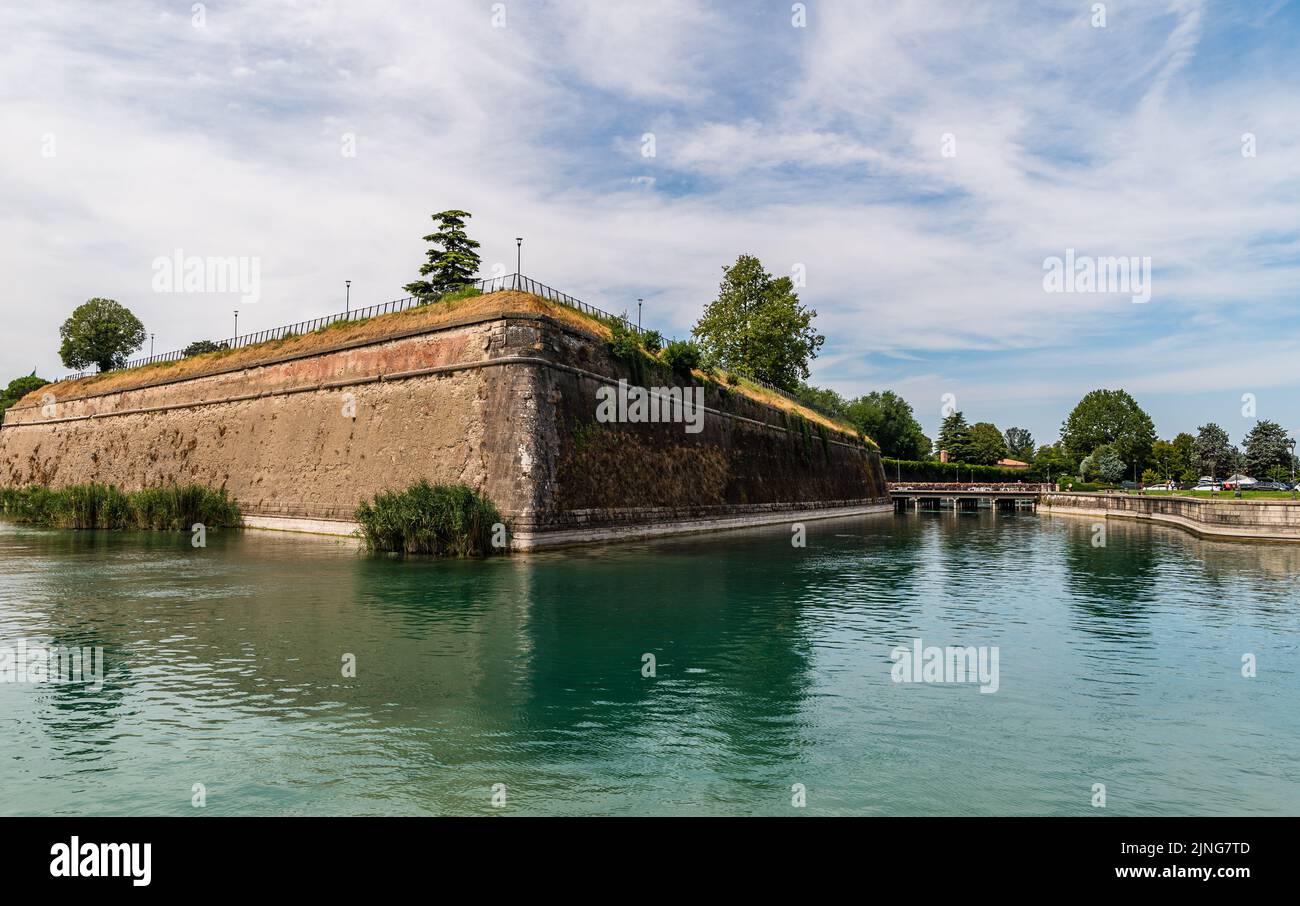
1204,485
1267,485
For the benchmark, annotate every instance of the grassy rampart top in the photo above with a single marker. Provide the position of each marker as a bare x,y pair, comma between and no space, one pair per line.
430,317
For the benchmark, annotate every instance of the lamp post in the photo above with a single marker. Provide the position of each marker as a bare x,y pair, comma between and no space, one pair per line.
519,255
236,337
347,298
638,315
1293,490
151,346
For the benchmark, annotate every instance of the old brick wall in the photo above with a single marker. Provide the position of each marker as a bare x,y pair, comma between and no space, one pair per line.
505,404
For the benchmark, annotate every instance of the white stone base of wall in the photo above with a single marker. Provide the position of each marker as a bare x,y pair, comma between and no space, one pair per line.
297,524
528,541
525,541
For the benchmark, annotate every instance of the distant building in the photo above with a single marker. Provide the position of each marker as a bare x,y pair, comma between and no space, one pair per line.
943,456
1012,464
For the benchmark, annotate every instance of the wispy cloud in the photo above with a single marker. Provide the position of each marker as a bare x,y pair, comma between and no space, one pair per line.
825,146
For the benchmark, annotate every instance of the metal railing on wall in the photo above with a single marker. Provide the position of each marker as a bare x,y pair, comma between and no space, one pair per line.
528,285
489,285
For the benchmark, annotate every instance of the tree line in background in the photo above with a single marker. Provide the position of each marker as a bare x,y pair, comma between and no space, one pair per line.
1106,438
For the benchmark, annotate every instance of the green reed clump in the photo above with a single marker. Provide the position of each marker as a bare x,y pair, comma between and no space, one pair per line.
93,506
100,506
178,507
443,520
35,504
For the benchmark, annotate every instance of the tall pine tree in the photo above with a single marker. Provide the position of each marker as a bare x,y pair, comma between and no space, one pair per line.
452,263
954,436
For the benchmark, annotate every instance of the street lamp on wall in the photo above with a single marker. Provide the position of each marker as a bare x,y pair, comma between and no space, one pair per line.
1293,490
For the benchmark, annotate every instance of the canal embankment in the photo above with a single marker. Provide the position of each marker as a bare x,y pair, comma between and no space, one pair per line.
1229,518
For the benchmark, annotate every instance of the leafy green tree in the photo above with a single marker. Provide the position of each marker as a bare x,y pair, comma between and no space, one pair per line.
1110,466
18,388
1267,447
1020,444
100,332
452,260
887,418
198,347
822,398
1213,452
1051,459
924,447
987,444
1088,468
954,436
757,326
1166,463
1236,461
1185,457
682,356
1102,463
1110,417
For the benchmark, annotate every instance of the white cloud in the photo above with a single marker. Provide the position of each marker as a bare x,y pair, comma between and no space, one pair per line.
820,146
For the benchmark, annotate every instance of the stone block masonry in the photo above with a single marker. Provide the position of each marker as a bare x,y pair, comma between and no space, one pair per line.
503,400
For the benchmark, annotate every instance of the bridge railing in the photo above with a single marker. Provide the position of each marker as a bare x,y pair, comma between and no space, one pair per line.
1000,487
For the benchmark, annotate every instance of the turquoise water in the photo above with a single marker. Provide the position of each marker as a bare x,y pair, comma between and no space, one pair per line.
1118,665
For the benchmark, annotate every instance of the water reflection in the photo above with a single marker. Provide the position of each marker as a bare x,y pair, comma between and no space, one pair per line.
225,666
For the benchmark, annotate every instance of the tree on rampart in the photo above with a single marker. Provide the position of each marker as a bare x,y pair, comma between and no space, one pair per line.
758,327
101,332
452,263
198,347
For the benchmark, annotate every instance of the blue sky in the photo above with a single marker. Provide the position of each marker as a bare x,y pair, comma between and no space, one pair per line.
820,147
